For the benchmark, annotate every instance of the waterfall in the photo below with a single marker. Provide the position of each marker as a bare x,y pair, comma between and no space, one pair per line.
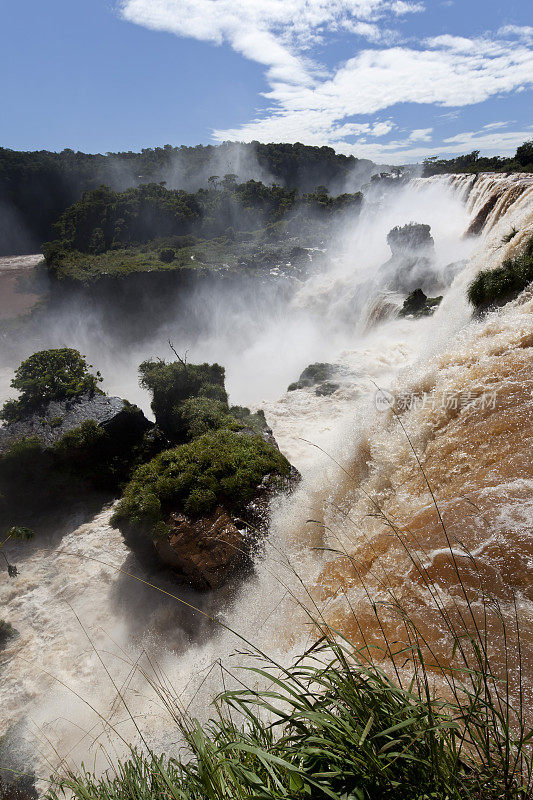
464,392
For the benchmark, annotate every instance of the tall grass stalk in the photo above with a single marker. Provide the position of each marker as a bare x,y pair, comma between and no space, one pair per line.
381,718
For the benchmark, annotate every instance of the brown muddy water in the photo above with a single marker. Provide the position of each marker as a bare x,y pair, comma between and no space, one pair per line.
18,292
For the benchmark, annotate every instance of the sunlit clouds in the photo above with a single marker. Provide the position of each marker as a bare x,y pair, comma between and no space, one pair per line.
350,105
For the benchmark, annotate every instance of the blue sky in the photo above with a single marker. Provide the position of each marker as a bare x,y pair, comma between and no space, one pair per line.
391,80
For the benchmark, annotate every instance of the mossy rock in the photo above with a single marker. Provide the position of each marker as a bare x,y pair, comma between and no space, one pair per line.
327,388
218,468
314,374
93,449
496,286
418,305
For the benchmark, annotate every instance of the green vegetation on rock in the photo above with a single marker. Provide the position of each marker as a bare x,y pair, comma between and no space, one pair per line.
198,415
219,467
34,477
418,305
48,459
493,286
49,375
190,400
174,383
314,374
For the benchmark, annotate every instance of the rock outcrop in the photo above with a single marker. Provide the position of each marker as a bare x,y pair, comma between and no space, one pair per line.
413,258
67,451
118,418
320,376
206,552
418,304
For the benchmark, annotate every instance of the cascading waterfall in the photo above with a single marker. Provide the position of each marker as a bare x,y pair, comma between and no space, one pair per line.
75,611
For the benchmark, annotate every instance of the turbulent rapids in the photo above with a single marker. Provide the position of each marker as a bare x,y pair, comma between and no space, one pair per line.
430,431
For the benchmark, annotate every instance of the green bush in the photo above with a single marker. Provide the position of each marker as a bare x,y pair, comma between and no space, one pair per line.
49,375
23,459
417,304
34,477
202,414
256,421
219,467
505,282
31,479
174,383
199,415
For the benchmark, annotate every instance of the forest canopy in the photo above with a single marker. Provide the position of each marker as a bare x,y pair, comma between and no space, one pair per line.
105,221
37,187
472,162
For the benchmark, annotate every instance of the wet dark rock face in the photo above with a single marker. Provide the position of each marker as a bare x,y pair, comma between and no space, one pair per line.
49,424
413,259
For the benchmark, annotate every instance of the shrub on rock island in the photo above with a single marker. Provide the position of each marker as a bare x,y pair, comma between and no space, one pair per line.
190,400
202,414
173,383
220,467
419,304
49,375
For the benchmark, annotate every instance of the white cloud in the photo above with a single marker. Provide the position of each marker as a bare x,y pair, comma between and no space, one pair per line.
271,32
382,128
400,7
406,151
495,125
520,31
378,79
496,143
421,135
308,104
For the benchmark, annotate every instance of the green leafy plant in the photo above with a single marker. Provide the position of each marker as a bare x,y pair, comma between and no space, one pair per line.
498,285
198,415
20,532
49,375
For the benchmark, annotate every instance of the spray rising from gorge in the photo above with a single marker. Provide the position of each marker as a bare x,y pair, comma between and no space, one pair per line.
72,605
